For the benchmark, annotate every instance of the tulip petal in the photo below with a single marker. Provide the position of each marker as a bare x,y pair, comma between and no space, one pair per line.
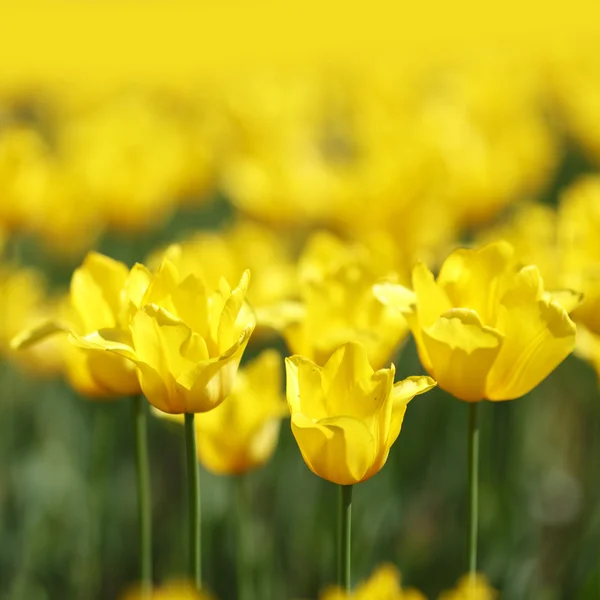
208,383
432,301
304,389
231,310
281,315
158,339
352,388
96,291
339,449
474,278
32,336
462,352
568,299
395,295
538,336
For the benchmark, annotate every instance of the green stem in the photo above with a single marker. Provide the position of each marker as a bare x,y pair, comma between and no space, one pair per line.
244,574
473,458
344,535
144,503
194,500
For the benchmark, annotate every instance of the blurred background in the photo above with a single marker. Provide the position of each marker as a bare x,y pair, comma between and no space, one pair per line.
244,128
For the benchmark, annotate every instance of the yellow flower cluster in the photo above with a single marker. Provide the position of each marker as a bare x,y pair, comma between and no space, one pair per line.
431,153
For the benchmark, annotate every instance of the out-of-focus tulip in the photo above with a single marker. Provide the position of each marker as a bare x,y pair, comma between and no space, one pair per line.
24,304
490,137
531,229
578,94
129,153
337,305
384,584
471,587
24,170
241,433
228,253
345,416
99,297
186,339
486,328
170,591
578,226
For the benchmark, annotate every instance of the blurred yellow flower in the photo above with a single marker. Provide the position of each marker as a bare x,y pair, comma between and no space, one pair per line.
531,228
345,416
24,169
24,304
471,587
384,584
97,305
486,328
337,304
228,253
241,433
578,226
130,154
186,339
176,590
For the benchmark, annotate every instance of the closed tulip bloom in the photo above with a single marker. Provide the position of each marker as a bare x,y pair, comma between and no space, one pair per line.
486,328
186,339
384,584
471,587
345,416
241,433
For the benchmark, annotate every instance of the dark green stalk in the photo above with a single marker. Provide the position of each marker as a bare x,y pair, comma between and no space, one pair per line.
143,485
194,501
344,537
473,461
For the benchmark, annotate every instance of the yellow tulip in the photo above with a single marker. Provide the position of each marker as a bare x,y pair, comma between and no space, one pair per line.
471,588
337,305
384,584
486,328
186,339
23,304
242,432
130,154
578,223
97,302
345,416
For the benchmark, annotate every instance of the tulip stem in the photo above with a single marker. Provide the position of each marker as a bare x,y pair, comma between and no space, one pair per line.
473,452
194,500
244,575
143,485
344,536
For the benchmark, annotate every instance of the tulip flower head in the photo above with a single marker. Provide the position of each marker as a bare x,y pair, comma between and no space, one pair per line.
96,303
185,338
471,588
384,584
486,328
337,305
241,433
345,416
578,222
